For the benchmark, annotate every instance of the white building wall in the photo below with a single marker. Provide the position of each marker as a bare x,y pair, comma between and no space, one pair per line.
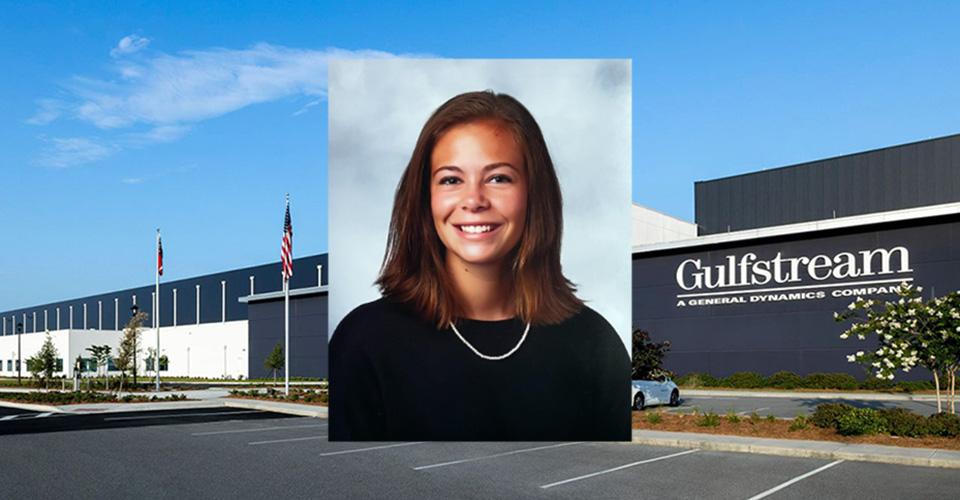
650,226
211,350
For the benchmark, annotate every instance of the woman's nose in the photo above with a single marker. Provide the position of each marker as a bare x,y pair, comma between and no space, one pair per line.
474,198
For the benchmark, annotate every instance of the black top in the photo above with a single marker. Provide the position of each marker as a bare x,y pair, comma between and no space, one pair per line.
394,376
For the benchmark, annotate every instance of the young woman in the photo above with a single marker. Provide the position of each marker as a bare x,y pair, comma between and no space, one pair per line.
478,335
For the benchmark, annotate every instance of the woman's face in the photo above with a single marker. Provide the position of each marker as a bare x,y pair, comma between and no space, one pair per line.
478,192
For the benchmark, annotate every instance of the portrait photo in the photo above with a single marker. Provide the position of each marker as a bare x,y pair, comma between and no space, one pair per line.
479,216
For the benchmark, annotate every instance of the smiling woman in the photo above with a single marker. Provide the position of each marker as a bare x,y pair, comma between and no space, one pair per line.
478,334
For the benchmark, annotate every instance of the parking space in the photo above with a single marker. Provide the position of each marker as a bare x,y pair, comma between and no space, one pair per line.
233,453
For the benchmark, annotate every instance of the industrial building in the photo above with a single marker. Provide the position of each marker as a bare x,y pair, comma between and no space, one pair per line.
751,285
778,251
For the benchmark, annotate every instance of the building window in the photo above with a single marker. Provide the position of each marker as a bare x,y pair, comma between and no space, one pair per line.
59,365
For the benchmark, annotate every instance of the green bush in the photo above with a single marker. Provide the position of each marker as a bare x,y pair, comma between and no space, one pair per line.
876,384
694,380
732,417
798,423
916,385
827,415
903,422
654,418
744,380
840,381
861,421
709,419
785,380
944,424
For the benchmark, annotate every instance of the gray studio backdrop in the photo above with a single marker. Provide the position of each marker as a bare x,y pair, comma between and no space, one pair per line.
377,108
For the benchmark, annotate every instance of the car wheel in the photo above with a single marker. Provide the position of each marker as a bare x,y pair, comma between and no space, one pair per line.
675,398
638,401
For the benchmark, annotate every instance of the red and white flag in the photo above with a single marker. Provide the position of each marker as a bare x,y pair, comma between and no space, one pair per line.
159,256
286,247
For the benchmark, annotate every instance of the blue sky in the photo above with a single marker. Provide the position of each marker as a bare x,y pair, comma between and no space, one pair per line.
117,119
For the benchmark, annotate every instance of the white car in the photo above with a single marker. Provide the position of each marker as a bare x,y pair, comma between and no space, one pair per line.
661,390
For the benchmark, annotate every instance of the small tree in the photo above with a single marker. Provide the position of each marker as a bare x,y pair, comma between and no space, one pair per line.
149,358
126,359
648,356
44,363
909,332
101,354
275,361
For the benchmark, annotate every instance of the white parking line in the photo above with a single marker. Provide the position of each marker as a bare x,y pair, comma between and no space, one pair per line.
514,452
291,440
649,460
794,480
44,414
358,450
745,413
235,431
185,415
8,417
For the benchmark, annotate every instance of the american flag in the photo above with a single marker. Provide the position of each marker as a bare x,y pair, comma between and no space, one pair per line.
159,256
286,247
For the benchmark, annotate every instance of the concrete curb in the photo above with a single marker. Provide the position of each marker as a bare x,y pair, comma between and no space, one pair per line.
277,407
866,396
922,457
30,406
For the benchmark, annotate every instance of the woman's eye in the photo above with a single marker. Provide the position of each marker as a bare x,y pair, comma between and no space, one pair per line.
500,178
448,181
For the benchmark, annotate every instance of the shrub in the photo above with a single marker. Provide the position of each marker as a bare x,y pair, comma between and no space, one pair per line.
916,385
754,418
694,380
903,422
744,380
732,417
654,418
827,415
875,384
944,424
771,418
860,421
798,423
785,380
709,419
840,381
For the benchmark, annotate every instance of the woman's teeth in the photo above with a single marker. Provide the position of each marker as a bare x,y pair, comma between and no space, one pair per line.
476,229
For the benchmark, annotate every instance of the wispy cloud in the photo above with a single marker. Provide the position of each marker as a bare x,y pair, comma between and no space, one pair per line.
128,45
132,180
70,151
154,97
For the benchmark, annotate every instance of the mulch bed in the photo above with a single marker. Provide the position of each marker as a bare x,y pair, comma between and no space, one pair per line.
780,429
281,400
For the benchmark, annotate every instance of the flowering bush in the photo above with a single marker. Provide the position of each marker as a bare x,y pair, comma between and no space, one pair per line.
910,332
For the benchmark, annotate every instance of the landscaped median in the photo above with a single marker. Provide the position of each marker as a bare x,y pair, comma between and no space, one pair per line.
83,397
316,397
835,431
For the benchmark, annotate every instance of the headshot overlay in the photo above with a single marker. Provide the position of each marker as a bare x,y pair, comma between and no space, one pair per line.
378,111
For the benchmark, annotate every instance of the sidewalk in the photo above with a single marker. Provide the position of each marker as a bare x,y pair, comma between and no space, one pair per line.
923,457
859,396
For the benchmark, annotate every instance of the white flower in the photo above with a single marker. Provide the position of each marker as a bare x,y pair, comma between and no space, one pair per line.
890,377
859,353
852,306
861,337
851,358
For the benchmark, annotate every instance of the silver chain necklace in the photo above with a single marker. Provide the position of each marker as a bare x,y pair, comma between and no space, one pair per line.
492,358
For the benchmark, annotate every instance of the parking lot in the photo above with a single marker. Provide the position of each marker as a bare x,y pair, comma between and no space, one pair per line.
785,407
233,453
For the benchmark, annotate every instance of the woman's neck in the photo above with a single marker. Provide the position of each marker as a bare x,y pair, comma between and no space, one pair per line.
485,291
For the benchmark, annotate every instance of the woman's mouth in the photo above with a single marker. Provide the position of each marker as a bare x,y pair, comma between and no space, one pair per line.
477,228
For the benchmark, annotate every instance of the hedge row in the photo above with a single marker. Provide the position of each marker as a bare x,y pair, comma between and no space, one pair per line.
77,397
305,395
790,380
851,421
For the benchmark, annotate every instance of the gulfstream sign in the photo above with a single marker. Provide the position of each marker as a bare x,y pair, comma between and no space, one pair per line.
873,271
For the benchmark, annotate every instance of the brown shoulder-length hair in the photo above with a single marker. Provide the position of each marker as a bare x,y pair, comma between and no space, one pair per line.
413,270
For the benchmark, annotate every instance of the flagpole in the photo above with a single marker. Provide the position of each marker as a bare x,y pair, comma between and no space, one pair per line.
156,313
286,337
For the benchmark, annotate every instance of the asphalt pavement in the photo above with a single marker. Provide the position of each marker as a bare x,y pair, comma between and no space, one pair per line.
243,453
787,407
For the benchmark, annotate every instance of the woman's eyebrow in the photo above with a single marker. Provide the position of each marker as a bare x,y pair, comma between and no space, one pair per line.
493,166
452,168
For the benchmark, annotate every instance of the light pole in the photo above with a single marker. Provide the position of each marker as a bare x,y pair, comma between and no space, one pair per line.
133,314
19,357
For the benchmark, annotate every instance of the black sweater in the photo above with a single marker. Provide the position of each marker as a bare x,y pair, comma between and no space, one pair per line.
394,376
